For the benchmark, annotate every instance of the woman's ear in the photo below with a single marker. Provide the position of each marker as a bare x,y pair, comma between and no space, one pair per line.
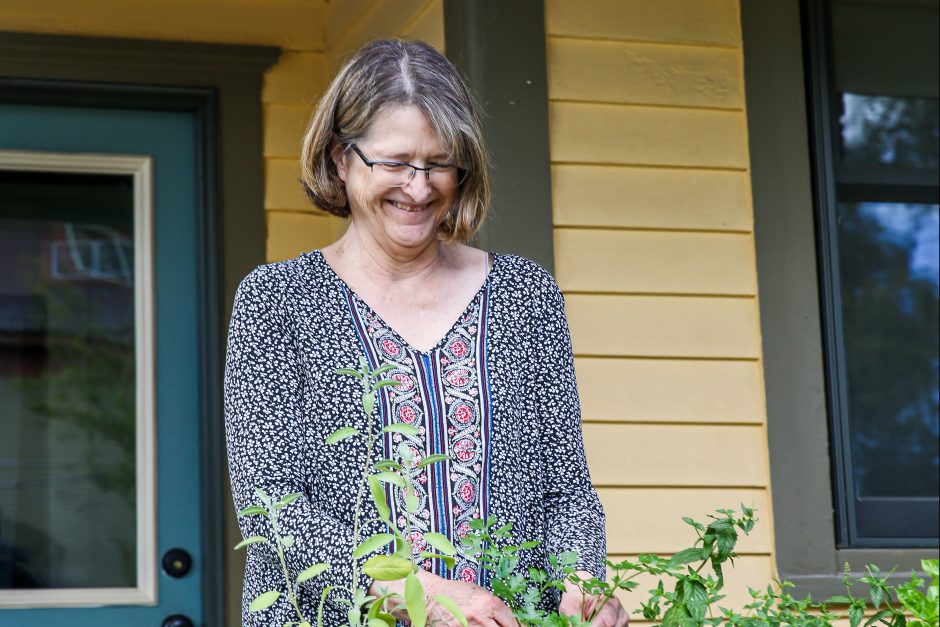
338,154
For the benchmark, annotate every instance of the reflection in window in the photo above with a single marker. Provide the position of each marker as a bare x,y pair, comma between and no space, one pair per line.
878,226
889,130
67,382
890,278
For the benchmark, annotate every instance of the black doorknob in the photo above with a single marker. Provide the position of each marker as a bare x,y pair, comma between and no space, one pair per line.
176,620
176,563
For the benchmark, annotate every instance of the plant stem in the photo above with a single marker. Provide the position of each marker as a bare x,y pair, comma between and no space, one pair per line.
283,560
363,477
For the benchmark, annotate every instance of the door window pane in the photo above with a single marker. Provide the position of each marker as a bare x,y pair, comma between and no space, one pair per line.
67,381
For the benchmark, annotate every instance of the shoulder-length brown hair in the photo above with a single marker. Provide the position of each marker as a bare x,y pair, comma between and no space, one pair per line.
396,72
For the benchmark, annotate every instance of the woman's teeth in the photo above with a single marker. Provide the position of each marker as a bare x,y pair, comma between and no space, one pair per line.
409,208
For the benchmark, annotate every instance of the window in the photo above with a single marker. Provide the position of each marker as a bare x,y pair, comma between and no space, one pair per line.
787,55
876,164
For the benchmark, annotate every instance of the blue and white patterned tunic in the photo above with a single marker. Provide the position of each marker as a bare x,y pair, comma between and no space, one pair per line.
497,395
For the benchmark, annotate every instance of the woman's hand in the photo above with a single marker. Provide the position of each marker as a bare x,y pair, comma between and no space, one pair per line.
574,603
480,607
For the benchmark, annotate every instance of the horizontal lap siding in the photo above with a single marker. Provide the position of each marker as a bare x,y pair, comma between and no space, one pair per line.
663,326
670,390
654,251
691,459
655,262
650,197
284,23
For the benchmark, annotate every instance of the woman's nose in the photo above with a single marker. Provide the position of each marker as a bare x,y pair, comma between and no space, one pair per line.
419,187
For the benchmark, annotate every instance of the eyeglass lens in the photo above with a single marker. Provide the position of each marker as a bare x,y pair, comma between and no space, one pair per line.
395,175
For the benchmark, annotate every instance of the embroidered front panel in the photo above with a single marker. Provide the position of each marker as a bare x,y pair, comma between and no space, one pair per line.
445,394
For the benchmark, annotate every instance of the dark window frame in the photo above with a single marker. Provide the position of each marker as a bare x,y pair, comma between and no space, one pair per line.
834,180
793,357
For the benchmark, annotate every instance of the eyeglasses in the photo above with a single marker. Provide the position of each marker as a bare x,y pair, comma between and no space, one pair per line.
398,173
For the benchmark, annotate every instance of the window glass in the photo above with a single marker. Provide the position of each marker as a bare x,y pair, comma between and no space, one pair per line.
67,381
889,131
881,229
890,279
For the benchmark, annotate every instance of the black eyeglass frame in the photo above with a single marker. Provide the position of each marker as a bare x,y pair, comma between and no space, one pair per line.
461,172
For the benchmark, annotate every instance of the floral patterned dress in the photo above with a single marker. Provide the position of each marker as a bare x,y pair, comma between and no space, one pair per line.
497,394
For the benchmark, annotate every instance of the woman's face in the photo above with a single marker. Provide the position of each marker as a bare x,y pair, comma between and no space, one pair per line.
399,219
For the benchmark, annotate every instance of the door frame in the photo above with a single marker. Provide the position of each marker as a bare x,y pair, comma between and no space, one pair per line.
221,85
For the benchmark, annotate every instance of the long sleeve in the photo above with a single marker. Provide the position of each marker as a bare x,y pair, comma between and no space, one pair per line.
265,425
574,514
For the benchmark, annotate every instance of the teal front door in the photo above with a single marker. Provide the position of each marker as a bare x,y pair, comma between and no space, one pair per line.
100,491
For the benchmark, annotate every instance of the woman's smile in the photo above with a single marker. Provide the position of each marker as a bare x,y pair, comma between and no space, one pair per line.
408,207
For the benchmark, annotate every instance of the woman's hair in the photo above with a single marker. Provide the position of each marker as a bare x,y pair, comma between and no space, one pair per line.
392,72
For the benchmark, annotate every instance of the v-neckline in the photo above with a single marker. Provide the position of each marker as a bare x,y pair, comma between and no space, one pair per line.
408,345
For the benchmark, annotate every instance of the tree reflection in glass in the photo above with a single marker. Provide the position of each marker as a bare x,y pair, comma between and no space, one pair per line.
67,381
889,130
890,281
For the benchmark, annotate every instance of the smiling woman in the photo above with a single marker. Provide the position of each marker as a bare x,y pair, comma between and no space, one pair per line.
477,343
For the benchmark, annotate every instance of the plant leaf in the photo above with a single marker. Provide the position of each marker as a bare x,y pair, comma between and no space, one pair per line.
378,372
373,543
264,600
414,597
390,477
310,573
341,434
378,497
440,542
448,604
432,459
251,540
349,372
384,383
290,498
253,510
447,559
403,428
686,556
387,567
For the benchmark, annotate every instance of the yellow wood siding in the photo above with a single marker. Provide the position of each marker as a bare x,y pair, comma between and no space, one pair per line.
651,197
287,24
670,390
654,250
660,262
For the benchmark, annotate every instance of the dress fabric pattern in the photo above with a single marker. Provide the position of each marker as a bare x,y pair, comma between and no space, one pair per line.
444,393
497,394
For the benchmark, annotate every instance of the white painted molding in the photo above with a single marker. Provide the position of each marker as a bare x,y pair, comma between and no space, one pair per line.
140,168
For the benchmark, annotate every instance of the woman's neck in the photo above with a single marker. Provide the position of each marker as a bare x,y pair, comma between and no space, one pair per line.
359,257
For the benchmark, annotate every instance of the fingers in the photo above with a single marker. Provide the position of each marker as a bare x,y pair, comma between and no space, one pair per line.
612,615
502,615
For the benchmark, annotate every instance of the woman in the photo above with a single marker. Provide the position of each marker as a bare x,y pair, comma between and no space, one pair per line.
479,343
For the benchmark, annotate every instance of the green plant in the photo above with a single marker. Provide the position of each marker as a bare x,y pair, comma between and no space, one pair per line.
689,602
365,609
689,586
